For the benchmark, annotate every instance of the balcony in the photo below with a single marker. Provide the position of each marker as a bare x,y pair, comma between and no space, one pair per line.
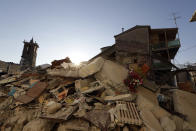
159,65
162,45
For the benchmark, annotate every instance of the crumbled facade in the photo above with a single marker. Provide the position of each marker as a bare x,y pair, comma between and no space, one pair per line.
143,45
9,67
103,93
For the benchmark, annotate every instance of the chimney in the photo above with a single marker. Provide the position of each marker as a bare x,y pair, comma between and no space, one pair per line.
122,29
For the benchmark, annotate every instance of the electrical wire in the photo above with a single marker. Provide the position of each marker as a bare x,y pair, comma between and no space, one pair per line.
189,48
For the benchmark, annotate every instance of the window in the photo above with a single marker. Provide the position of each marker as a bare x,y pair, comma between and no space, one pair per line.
135,60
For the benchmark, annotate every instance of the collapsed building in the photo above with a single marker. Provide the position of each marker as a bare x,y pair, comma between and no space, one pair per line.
114,91
186,77
143,45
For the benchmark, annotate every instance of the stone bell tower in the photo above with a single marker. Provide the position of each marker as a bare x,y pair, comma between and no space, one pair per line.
29,54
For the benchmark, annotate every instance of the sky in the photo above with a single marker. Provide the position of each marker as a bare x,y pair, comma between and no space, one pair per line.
79,28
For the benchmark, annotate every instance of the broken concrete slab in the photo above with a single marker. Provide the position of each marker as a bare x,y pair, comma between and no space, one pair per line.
159,112
76,71
90,90
38,125
112,72
100,118
123,97
125,128
150,120
150,85
52,107
108,92
33,81
188,127
91,68
167,124
70,66
18,121
94,86
74,124
19,92
62,115
178,122
82,85
99,106
8,80
146,99
184,102
94,128
2,94
63,73
32,93
6,103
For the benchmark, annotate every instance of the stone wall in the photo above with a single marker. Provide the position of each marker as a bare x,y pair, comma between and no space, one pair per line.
9,67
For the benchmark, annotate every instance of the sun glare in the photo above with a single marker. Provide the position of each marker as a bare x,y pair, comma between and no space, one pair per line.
78,56
76,60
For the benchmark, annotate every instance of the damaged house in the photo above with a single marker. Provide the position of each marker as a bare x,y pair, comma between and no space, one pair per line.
143,45
9,67
107,93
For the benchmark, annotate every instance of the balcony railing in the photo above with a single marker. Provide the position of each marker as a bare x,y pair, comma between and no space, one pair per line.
163,66
174,43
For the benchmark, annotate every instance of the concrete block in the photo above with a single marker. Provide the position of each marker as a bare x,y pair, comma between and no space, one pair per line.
38,125
146,99
178,122
124,97
91,68
74,124
167,124
81,83
184,102
53,107
112,72
150,120
160,112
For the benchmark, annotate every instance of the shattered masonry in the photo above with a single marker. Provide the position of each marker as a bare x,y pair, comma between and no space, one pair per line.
128,86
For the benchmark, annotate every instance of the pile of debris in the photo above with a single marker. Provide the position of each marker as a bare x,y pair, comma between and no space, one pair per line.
94,96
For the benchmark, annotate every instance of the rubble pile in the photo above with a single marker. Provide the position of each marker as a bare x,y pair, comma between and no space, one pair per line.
93,96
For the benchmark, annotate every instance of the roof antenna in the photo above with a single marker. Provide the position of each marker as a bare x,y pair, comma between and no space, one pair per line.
122,29
175,21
